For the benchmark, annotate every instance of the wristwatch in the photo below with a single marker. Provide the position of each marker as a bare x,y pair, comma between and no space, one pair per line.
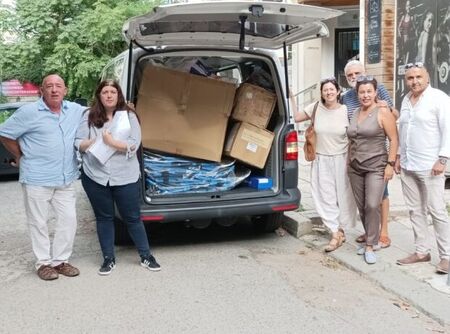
391,163
443,160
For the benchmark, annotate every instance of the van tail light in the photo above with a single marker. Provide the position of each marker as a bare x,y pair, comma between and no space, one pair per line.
291,149
152,218
288,207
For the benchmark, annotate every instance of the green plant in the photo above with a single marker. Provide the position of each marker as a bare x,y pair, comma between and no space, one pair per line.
74,38
5,115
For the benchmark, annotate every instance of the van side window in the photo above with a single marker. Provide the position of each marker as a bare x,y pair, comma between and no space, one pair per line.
114,69
233,74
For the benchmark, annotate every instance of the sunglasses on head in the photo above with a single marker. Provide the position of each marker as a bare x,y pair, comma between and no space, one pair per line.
411,65
326,80
365,78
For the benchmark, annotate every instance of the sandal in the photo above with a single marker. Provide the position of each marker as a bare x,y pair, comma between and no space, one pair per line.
342,235
384,241
334,244
361,239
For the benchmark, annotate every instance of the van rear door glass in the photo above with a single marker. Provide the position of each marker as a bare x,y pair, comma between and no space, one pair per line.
267,30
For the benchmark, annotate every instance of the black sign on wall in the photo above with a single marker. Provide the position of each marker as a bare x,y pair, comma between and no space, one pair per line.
374,32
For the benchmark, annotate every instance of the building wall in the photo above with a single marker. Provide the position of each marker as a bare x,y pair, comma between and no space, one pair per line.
384,70
314,60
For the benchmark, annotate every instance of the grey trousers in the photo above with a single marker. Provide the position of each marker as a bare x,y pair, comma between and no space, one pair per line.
367,181
424,193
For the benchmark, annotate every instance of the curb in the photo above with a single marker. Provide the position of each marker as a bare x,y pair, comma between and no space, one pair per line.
390,277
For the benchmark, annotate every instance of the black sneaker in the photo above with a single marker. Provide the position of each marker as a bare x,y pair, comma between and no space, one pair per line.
107,266
150,263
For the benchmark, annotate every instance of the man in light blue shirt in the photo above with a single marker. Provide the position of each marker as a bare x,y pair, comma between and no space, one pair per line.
40,135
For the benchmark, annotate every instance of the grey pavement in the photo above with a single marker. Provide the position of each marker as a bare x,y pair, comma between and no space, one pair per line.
418,285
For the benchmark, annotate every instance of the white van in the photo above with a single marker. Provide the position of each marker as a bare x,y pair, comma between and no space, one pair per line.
233,42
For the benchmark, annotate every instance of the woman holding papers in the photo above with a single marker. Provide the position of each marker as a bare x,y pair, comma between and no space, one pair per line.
108,137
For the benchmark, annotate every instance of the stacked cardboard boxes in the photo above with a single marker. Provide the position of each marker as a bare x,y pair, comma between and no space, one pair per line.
248,140
187,114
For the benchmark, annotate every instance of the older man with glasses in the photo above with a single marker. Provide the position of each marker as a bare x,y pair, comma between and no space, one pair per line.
353,70
424,129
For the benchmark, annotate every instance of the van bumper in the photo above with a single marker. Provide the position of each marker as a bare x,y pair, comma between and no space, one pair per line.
289,200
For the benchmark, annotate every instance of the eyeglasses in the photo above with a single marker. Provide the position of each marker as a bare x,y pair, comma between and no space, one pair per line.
411,65
365,78
326,80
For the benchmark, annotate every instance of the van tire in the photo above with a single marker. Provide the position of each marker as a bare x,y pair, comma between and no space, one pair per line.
121,236
267,223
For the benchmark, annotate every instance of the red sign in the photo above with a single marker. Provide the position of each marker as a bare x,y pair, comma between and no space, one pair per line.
16,88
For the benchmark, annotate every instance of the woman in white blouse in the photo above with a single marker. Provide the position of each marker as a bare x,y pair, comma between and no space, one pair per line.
330,186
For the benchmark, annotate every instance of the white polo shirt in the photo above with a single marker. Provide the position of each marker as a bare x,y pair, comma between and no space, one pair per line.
424,130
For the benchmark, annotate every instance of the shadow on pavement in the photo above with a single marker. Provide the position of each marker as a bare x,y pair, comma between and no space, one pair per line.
181,234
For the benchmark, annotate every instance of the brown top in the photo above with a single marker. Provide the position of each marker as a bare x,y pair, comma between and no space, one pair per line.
367,139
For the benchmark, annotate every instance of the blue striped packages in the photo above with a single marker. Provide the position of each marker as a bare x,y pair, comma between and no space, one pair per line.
168,174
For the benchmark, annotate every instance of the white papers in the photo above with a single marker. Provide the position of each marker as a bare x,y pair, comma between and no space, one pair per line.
120,130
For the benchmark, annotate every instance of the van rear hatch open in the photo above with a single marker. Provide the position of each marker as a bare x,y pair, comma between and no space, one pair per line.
265,24
236,42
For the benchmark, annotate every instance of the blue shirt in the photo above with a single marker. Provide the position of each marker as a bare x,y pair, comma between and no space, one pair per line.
351,100
46,140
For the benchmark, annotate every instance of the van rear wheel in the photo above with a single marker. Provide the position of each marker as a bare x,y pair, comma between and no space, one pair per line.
268,223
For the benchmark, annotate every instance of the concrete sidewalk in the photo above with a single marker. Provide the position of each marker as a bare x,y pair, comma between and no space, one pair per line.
418,285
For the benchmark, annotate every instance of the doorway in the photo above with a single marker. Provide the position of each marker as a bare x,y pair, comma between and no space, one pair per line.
346,48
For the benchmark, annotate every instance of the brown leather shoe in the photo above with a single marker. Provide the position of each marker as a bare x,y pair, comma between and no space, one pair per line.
414,258
47,273
67,269
442,267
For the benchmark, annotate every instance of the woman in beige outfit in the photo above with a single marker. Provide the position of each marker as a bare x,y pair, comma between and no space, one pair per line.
330,187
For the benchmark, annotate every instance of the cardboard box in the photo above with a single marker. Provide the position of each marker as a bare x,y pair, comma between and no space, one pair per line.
184,114
253,105
249,144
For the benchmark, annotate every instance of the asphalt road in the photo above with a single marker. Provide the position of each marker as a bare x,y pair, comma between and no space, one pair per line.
218,280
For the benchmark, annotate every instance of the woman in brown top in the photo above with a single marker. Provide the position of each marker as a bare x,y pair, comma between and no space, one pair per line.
370,165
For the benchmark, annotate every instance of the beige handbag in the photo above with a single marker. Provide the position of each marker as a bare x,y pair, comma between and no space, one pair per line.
310,138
